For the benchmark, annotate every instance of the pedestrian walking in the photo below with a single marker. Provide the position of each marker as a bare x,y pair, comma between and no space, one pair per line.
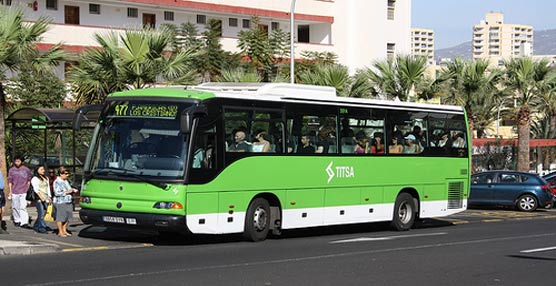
41,187
63,202
19,180
2,203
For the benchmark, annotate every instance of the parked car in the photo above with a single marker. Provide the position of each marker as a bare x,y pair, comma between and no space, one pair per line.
524,191
551,179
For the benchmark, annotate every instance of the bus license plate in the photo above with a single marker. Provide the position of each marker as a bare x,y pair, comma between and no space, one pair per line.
130,220
114,219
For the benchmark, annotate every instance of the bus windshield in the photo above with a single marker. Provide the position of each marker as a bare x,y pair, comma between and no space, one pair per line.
140,139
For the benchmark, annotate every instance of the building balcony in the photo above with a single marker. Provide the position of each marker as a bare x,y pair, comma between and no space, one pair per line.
80,37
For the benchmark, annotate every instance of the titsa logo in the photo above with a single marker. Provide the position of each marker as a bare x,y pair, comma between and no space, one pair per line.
341,172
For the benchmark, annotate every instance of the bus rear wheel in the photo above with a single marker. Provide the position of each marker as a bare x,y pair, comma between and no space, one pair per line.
404,212
257,220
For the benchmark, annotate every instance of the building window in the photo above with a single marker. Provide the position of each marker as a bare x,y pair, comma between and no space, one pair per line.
94,9
201,19
232,22
246,24
168,15
275,26
51,4
132,13
391,9
303,35
6,2
390,51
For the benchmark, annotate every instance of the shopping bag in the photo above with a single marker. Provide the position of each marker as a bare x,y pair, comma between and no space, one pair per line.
48,215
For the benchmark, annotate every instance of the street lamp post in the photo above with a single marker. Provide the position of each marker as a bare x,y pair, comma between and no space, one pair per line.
292,49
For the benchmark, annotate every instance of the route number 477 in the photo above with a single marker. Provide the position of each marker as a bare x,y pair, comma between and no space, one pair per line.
121,109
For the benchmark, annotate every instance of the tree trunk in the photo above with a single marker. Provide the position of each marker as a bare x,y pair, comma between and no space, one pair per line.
470,121
3,161
523,132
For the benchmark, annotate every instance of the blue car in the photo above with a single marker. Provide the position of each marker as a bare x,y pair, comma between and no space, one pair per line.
525,191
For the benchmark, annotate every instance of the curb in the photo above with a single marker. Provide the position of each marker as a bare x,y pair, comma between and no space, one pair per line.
10,247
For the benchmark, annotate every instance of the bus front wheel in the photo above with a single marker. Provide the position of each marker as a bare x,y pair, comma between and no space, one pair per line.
257,220
404,212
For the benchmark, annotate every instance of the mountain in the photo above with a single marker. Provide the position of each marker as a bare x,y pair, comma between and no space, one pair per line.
544,44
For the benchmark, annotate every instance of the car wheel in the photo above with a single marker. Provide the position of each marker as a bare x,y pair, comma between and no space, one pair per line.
527,203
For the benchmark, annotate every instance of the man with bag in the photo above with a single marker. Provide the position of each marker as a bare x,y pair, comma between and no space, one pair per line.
19,180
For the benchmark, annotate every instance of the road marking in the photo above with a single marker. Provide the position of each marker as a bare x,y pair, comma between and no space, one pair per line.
286,260
93,248
492,220
359,239
453,220
538,249
56,242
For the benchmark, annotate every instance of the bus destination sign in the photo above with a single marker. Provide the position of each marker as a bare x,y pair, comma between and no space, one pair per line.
128,109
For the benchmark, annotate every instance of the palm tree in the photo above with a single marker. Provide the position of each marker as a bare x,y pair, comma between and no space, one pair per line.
527,79
133,59
238,75
471,85
18,41
398,78
333,75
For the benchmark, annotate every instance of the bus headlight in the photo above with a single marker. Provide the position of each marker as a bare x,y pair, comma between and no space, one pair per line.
168,205
86,200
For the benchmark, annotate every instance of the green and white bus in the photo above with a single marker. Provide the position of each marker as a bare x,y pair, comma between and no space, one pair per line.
260,158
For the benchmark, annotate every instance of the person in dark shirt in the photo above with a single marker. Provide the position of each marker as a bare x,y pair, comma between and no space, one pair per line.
239,145
306,145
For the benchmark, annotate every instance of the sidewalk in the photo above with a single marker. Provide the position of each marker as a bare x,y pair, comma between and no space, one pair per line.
16,242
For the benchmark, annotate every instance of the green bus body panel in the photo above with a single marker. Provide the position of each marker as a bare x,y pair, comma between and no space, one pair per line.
164,92
302,182
134,196
297,183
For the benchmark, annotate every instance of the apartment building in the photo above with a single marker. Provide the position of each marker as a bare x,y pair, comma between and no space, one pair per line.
497,41
359,32
422,44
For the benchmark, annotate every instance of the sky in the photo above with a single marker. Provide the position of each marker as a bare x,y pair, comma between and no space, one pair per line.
453,20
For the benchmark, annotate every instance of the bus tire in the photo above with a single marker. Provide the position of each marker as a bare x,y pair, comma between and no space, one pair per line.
404,212
257,220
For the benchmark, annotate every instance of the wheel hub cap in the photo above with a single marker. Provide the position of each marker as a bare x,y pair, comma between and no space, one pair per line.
259,219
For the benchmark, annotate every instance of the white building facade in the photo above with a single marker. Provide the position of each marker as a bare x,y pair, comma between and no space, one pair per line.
422,44
497,41
359,32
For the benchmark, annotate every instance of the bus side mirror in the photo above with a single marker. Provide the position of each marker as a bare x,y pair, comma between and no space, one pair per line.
187,116
81,113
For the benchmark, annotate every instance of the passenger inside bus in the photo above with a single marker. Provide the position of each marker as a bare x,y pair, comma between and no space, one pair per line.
362,143
262,144
306,145
410,146
325,140
457,140
377,146
395,147
240,145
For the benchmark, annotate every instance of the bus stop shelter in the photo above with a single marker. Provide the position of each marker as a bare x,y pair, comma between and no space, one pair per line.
49,128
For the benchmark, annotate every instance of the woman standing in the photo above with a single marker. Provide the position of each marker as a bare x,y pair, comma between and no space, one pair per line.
63,201
41,187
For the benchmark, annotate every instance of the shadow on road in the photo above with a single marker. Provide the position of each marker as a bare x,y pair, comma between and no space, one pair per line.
164,238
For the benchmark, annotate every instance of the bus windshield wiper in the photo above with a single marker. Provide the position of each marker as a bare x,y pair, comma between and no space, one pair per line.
130,173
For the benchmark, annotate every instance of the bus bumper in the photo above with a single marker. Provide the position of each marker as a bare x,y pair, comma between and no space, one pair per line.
170,223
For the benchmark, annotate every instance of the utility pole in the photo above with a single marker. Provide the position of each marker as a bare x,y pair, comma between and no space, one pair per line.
292,48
